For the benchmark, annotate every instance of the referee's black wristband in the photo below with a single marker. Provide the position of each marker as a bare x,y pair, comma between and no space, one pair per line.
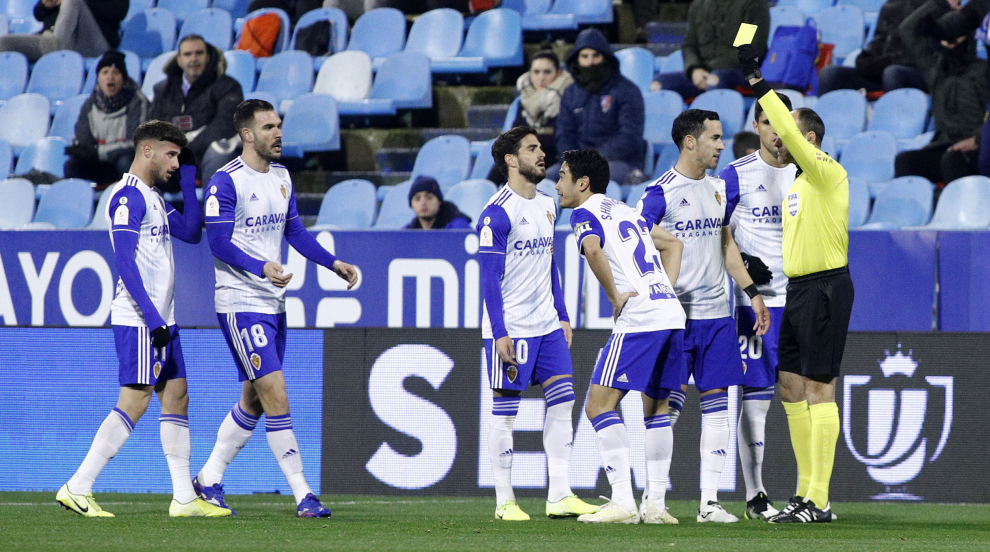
761,88
751,290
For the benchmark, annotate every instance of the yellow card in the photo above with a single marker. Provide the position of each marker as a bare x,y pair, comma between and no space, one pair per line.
745,35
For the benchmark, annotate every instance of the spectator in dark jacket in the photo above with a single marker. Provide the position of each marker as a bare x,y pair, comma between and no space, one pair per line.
103,147
602,110
89,27
200,99
432,212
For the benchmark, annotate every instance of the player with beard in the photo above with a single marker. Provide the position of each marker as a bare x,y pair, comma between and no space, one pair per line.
525,327
250,206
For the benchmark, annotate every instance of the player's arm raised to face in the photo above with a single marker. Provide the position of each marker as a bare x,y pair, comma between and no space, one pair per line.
221,202
127,209
670,249
304,242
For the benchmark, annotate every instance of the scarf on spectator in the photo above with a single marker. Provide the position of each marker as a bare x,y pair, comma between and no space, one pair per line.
594,77
541,107
111,104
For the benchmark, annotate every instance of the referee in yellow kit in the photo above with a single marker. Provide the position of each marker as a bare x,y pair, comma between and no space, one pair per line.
819,296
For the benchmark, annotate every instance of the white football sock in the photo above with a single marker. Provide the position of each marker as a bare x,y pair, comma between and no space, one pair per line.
659,445
175,442
676,405
750,440
282,441
504,410
112,435
714,443
233,434
613,445
558,434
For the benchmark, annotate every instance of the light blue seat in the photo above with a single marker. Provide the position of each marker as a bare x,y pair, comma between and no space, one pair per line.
236,8
667,155
45,155
671,63
785,16
809,7
564,219
149,33
379,33
155,73
445,158
6,158
613,190
258,95
395,211
917,142
403,82
493,40
215,26
871,12
662,108
636,193
548,187
870,156
437,34
850,60
902,204
4,24
131,61
25,120
240,67
13,74
68,204
17,207
57,76
99,221
64,122
282,42
797,101
877,187
901,112
471,196
483,162
636,64
859,202
586,12
347,76
842,26
182,9
536,17
726,157
311,124
338,33
962,205
729,106
286,76
511,115
348,205
20,17
844,114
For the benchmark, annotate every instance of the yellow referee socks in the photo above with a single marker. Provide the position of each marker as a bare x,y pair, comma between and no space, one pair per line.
824,435
799,422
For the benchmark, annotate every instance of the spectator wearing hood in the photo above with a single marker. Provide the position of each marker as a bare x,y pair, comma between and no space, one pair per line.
90,27
200,99
103,147
602,110
432,212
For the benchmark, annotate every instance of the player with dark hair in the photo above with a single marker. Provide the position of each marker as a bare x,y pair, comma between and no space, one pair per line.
142,314
526,330
250,207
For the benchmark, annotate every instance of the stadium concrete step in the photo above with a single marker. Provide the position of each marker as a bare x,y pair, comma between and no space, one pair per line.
487,116
452,102
378,178
396,159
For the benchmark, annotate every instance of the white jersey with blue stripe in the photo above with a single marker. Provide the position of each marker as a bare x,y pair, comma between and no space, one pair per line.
695,211
522,230
259,206
153,257
625,239
758,222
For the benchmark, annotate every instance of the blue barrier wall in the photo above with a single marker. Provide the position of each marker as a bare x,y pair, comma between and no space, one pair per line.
964,278
894,276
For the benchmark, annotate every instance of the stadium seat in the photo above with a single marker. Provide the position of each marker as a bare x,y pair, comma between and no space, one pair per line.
437,34
850,60
149,33
348,205
843,112
859,203
379,33
671,63
240,67
395,211
404,82
797,101
6,158
57,76
471,196
667,155
17,207
66,116
99,221
445,158
917,142
613,190
901,112
25,120
338,32
346,76
135,7
729,106
282,42
727,156
586,12
786,16
877,187
548,187
870,156
13,74
962,205
809,7
871,12
904,203
636,64
511,115
662,108
493,40
842,26
535,16
131,61
68,204
155,73
182,9
286,76
236,8
4,24
212,24
564,219
311,124
20,17
46,155
256,95
483,162
636,194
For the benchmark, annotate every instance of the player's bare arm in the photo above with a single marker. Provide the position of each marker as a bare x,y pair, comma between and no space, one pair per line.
273,271
599,265
670,249
737,269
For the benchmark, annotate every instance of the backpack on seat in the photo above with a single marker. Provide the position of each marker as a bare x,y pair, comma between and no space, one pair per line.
260,35
790,61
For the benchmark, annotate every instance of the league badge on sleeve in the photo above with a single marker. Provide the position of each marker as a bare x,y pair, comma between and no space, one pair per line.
486,238
122,213
212,206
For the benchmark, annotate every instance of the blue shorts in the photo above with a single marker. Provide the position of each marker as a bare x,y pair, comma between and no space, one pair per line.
142,364
257,342
540,358
711,354
649,362
759,353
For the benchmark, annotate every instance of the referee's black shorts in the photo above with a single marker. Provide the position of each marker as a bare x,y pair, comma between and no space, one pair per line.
814,324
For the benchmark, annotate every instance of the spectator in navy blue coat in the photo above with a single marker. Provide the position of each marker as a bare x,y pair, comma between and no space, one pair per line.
602,110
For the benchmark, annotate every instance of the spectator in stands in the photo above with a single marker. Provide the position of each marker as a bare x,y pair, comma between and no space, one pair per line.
745,143
960,93
90,27
710,60
602,110
103,147
432,212
885,64
200,99
540,91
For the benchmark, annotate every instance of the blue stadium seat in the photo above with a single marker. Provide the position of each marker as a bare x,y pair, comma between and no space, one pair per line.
17,207
347,76
311,124
212,24
348,205
437,34
729,106
859,202
797,101
182,9
135,7
25,120
850,60
236,8
871,12
548,187
240,67
45,155
282,42
636,193
131,61
337,17
786,16
257,95
901,112
510,116
564,219
843,112
962,205
917,142
877,187
842,26
662,108
403,82
636,64
667,155
870,156
379,33
6,158
57,76
395,211
671,63
99,221
536,17
149,33
4,24
483,162
64,122
445,158
13,74
493,40
68,204
587,12
470,196
613,190
727,156
902,204
155,73
286,76
20,17
809,7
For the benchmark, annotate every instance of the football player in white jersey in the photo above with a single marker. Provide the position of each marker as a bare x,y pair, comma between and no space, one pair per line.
697,208
250,206
142,315
644,352
758,228
526,330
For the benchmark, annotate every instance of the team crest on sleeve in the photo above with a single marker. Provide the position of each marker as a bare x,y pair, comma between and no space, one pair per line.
212,206
718,198
550,217
512,372
256,361
285,191
158,369
122,213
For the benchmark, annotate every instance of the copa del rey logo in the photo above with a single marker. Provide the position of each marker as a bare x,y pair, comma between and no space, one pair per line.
899,407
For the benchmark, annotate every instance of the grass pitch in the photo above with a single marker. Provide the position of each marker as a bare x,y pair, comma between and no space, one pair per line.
32,521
